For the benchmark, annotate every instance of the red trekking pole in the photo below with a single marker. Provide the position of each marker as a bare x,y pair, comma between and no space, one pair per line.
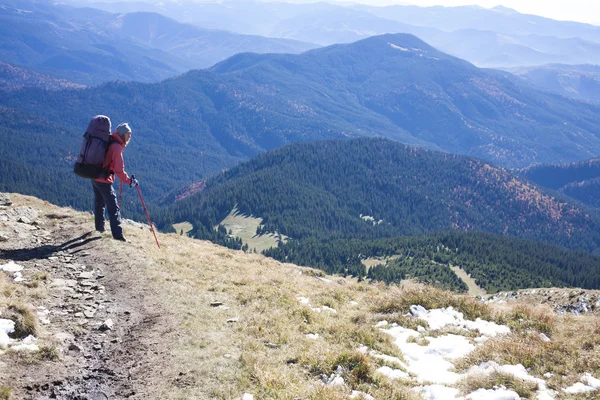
147,215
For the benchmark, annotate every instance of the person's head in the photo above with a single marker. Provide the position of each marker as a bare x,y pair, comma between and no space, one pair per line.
124,132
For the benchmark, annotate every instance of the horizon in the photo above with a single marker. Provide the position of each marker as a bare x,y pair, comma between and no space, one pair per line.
584,11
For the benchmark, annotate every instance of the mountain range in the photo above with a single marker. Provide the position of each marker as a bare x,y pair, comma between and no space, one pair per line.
498,37
88,46
394,86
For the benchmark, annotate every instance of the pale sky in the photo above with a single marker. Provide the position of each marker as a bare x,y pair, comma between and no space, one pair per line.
571,10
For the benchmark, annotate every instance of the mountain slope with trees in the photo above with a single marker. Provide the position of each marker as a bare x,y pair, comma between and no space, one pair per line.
579,180
376,188
394,86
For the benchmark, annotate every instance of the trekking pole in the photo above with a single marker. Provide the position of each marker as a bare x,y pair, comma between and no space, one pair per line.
147,215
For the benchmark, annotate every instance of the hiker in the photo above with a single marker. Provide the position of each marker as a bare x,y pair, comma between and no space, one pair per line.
104,193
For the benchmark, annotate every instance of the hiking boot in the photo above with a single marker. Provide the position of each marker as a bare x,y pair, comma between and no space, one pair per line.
123,239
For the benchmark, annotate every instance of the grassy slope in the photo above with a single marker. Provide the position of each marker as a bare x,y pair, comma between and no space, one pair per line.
257,344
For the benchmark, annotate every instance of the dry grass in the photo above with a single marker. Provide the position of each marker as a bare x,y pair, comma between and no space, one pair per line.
265,350
6,393
572,351
256,342
398,301
525,389
525,317
26,322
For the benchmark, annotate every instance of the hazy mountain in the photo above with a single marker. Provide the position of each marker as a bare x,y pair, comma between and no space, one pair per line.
394,86
90,46
578,81
496,37
498,19
43,37
324,190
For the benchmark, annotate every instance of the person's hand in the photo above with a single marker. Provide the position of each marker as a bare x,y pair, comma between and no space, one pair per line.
134,182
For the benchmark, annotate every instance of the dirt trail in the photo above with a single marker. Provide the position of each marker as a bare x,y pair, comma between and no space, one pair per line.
93,279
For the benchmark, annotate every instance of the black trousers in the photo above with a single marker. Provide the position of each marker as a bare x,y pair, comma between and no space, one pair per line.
105,198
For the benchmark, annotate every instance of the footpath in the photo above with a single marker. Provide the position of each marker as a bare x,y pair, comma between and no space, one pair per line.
100,332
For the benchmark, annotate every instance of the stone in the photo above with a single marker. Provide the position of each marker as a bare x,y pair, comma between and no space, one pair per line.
86,275
217,304
5,200
27,213
232,320
107,325
74,347
89,313
63,337
97,347
24,220
3,237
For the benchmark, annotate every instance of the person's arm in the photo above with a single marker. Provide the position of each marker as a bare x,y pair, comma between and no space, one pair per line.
119,169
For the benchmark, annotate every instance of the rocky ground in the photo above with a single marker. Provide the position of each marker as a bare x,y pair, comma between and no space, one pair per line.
104,325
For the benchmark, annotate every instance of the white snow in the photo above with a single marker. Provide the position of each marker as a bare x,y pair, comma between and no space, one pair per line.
430,363
588,384
11,267
442,317
247,396
380,324
303,300
392,373
579,388
26,345
6,326
313,336
18,277
355,394
438,392
493,394
393,46
589,380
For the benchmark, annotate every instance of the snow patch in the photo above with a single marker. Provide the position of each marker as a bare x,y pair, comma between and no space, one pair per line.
393,46
437,392
11,267
493,394
392,373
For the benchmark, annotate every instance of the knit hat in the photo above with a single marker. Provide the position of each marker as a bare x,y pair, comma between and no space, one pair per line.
123,128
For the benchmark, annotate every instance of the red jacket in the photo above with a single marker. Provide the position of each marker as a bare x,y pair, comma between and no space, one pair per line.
114,161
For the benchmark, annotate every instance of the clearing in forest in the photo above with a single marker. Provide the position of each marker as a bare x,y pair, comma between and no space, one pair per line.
245,226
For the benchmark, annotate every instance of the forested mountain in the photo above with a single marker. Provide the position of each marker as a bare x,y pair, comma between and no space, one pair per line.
89,46
495,262
497,37
376,188
13,77
578,81
394,86
579,180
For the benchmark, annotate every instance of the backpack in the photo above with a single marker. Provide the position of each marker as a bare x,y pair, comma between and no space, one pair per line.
93,149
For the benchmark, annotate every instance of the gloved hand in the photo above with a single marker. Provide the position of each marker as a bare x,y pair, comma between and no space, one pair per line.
134,182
